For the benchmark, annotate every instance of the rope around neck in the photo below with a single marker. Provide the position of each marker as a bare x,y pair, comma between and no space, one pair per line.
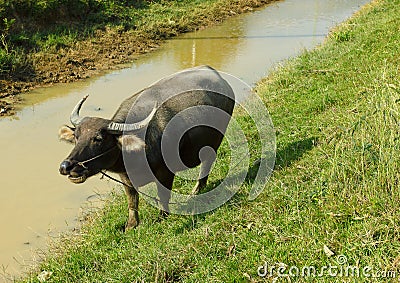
132,187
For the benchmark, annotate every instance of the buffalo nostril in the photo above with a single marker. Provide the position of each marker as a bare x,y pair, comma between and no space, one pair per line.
65,167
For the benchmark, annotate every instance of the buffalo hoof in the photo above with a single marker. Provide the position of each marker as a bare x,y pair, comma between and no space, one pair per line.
163,214
131,225
133,219
199,186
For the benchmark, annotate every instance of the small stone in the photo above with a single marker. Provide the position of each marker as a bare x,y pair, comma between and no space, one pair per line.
328,251
44,276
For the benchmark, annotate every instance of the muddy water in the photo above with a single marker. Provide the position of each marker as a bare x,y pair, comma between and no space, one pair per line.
37,203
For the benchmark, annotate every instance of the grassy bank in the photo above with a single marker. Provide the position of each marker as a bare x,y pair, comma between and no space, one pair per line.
45,42
335,184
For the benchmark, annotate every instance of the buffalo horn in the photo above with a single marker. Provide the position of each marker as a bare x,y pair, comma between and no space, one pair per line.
119,128
74,118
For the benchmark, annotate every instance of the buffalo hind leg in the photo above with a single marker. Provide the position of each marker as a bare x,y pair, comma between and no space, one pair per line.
164,187
133,202
207,159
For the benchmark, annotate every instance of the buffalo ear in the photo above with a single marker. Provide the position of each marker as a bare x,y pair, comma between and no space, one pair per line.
66,133
131,143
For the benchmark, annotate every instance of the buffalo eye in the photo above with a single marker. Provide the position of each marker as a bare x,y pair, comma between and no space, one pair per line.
98,138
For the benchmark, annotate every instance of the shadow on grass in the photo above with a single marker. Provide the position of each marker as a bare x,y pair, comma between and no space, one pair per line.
284,158
293,152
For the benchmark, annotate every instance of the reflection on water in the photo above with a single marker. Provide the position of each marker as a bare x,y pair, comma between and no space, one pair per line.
36,201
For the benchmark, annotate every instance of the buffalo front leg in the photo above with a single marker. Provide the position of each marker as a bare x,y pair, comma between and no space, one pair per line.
133,203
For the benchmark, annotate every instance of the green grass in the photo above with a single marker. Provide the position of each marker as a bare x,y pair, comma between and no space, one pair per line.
335,184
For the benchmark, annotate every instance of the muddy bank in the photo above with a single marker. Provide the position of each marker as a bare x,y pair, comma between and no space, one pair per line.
111,48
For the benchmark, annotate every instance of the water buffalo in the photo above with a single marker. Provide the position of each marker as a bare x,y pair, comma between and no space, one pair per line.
136,144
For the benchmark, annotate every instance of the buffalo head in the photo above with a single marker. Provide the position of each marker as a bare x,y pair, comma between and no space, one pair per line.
98,143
